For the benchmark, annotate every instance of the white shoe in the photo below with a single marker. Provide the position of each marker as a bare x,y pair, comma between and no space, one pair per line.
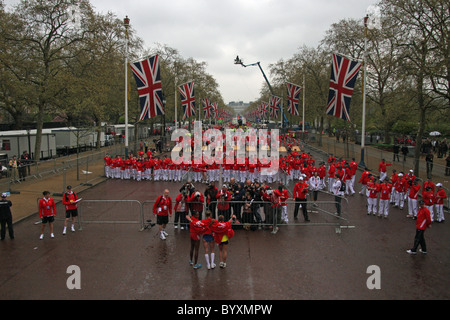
72,228
41,236
165,233
64,230
162,236
52,235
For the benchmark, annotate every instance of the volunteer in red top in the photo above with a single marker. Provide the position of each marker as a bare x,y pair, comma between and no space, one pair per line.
422,223
413,194
299,195
70,200
439,203
47,212
162,208
382,169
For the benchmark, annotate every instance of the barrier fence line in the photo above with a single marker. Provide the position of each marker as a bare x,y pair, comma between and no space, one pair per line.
250,215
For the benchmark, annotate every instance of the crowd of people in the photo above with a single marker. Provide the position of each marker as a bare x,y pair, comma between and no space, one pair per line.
244,183
250,200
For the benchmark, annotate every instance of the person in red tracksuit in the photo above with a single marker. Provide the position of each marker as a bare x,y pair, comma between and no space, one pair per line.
413,194
299,194
382,169
162,208
70,200
364,179
374,188
223,197
47,212
422,223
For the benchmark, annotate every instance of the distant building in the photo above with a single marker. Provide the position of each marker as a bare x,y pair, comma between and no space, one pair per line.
239,106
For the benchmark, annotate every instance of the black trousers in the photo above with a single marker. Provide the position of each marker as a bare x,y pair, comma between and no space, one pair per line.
419,239
338,199
6,221
299,201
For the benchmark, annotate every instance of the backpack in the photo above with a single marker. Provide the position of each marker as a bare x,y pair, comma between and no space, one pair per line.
342,187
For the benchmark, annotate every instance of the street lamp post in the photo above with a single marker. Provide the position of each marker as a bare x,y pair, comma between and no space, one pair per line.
126,23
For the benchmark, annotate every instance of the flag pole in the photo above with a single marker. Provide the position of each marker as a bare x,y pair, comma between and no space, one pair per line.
175,83
363,127
126,23
303,112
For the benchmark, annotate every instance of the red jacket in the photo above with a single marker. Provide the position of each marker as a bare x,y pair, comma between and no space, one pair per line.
428,198
414,191
373,188
69,200
196,204
401,185
440,196
47,208
300,190
364,177
219,229
385,191
382,166
284,197
423,218
163,206
223,199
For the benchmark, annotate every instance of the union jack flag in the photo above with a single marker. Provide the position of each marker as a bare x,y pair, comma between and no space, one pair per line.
207,108
215,110
343,77
148,81
293,98
187,97
263,109
274,104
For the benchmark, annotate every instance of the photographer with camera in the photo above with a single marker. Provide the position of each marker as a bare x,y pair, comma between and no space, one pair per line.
210,196
273,216
223,198
196,200
181,208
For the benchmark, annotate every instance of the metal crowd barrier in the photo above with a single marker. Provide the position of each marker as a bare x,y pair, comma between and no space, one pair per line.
250,215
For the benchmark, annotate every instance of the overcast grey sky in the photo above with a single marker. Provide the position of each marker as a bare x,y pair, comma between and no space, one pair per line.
215,31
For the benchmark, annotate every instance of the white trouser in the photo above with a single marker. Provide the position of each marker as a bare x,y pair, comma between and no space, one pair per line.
412,207
399,199
439,212
383,207
430,208
372,205
284,214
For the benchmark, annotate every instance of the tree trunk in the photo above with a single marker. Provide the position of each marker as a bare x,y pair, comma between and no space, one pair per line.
39,126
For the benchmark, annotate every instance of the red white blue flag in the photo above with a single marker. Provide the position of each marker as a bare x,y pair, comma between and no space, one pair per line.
187,97
215,110
343,77
207,108
274,105
263,109
293,98
148,81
